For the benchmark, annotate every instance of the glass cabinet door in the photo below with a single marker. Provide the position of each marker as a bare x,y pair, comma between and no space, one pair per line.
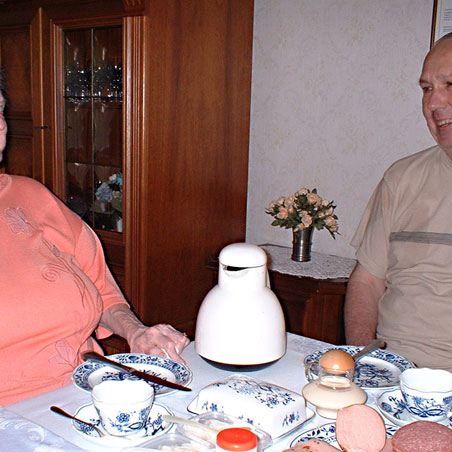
93,139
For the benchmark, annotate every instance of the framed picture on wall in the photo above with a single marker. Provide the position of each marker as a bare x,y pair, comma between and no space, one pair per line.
442,19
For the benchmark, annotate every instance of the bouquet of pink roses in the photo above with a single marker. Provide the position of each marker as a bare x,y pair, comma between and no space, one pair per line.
304,209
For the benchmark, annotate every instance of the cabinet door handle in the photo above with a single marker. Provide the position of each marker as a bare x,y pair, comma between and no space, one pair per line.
41,127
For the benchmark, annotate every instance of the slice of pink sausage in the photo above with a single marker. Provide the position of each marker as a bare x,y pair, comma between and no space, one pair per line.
359,428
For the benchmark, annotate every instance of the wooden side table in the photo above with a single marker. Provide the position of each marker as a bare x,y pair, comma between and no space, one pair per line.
312,294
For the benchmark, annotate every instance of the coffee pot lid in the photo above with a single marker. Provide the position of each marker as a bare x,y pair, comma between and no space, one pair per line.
242,255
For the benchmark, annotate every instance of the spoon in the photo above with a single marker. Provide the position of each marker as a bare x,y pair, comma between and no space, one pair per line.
371,346
58,410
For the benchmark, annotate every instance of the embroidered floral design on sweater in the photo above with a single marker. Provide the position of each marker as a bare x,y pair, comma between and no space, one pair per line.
17,220
65,354
51,271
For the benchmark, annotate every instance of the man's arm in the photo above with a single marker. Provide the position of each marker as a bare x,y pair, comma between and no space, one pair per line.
361,306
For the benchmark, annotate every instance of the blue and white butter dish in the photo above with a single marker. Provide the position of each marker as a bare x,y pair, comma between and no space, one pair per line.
274,409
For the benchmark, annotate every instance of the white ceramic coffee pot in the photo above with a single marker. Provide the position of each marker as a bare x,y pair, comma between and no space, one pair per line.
240,321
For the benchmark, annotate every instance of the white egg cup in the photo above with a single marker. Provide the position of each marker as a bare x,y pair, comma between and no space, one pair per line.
328,400
333,389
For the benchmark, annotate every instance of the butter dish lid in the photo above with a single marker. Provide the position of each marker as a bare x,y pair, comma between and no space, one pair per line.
271,408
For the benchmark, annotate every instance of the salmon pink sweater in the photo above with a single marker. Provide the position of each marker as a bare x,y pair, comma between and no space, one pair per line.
54,287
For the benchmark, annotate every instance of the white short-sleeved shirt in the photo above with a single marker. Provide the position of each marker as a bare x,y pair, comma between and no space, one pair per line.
405,238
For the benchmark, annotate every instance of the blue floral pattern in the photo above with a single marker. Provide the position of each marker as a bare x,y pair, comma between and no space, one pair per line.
265,393
155,425
427,408
270,407
327,433
393,407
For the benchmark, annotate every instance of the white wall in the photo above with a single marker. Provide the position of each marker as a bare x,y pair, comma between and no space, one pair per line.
335,100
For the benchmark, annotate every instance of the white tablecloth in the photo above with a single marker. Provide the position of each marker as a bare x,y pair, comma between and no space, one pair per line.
19,434
287,372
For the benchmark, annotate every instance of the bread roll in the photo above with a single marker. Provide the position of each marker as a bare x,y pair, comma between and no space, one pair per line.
422,436
313,445
359,428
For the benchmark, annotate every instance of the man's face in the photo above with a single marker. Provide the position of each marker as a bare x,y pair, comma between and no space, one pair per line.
436,84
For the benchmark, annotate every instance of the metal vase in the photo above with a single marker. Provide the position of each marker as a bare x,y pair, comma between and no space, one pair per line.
301,245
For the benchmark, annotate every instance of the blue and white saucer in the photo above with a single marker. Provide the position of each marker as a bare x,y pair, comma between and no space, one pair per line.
393,407
378,369
155,426
327,433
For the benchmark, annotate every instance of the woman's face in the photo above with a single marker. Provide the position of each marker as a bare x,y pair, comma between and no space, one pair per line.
3,127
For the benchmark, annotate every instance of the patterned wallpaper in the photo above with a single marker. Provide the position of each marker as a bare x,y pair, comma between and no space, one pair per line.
335,100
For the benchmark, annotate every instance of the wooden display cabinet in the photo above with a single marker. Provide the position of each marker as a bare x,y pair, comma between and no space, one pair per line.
177,129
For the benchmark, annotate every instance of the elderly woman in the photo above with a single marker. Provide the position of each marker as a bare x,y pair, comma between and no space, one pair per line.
56,290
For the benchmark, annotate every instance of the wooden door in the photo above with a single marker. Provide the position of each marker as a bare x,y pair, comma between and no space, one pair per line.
23,40
194,170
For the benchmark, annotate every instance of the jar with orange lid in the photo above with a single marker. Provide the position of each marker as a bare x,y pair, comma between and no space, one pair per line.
236,439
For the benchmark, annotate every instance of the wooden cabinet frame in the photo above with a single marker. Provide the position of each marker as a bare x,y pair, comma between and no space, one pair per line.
123,249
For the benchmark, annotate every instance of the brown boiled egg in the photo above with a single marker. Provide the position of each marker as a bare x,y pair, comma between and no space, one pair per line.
337,361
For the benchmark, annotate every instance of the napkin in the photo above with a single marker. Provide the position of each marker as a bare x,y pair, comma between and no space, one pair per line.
20,434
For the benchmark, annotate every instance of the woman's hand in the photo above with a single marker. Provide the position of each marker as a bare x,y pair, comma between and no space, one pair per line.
163,340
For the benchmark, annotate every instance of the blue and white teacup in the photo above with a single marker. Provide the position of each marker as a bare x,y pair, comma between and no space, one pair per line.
123,406
427,393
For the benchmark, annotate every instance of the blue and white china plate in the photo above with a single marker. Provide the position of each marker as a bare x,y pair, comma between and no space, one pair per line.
91,373
327,433
378,369
392,406
156,426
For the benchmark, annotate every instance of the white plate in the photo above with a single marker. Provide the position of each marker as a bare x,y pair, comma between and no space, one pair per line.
392,406
378,369
327,433
155,427
90,373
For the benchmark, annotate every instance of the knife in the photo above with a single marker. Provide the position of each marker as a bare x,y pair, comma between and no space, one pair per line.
130,370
